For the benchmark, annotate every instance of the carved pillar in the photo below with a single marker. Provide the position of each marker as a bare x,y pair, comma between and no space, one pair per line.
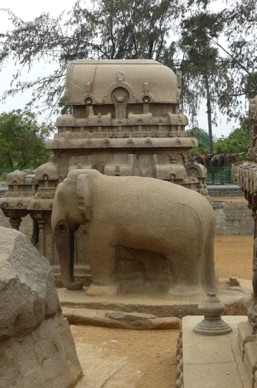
15,222
41,224
252,311
35,232
40,218
254,215
15,216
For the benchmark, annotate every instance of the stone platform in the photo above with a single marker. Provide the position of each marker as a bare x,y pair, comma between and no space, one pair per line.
210,361
83,309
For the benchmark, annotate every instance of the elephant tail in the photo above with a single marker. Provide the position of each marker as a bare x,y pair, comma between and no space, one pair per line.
209,275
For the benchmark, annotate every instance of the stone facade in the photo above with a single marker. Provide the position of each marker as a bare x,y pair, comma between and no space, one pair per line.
125,121
245,175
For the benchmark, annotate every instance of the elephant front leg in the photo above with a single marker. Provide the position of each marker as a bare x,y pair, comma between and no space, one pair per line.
102,259
64,241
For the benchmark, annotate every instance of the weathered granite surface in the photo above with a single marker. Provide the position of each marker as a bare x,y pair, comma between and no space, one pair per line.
36,345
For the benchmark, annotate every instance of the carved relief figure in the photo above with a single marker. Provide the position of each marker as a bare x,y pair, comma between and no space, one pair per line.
136,213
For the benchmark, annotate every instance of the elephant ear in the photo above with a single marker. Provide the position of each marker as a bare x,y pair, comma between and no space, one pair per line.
84,193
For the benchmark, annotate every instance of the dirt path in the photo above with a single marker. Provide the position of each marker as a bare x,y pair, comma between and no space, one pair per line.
233,256
138,359
126,358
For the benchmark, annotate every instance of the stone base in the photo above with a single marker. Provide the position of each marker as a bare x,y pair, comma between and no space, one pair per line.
206,361
236,299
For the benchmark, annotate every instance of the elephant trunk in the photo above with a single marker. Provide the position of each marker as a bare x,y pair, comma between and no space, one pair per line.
64,241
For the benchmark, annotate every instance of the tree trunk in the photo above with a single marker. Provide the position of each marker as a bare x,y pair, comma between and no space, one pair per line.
209,113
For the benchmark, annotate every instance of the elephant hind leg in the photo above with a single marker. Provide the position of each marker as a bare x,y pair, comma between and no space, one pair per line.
186,273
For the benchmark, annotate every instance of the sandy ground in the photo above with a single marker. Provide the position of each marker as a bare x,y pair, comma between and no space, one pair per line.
126,358
229,199
131,358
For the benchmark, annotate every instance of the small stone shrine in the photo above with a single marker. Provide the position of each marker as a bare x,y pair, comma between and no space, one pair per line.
245,175
125,120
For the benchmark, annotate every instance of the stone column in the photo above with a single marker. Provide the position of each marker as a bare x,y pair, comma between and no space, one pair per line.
15,216
252,311
41,224
41,218
254,215
15,222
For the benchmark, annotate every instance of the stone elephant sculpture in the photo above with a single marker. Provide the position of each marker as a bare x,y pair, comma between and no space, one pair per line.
139,213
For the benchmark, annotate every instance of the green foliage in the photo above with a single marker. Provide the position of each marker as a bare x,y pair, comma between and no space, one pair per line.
200,62
203,141
22,143
237,142
251,85
240,29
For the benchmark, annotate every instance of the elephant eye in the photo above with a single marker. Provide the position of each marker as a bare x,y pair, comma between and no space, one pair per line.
62,228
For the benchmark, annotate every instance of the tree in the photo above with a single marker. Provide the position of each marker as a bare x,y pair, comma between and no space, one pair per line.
113,29
22,143
239,55
200,67
232,32
238,141
241,33
203,141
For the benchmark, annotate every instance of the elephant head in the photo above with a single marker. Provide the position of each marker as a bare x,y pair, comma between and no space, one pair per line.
71,208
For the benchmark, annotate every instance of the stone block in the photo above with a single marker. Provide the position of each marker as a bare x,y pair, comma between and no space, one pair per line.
244,336
250,362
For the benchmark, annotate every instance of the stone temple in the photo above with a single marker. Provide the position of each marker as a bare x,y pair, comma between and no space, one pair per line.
124,121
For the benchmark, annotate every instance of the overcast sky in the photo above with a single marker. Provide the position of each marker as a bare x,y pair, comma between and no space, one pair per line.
28,10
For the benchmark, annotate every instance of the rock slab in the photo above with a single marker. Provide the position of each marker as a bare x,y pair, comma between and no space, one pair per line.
120,320
36,345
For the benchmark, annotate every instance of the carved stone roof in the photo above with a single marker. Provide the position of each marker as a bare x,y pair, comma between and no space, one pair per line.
87,81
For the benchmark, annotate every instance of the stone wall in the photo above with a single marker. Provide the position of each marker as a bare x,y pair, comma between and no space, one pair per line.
225,190
233,218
